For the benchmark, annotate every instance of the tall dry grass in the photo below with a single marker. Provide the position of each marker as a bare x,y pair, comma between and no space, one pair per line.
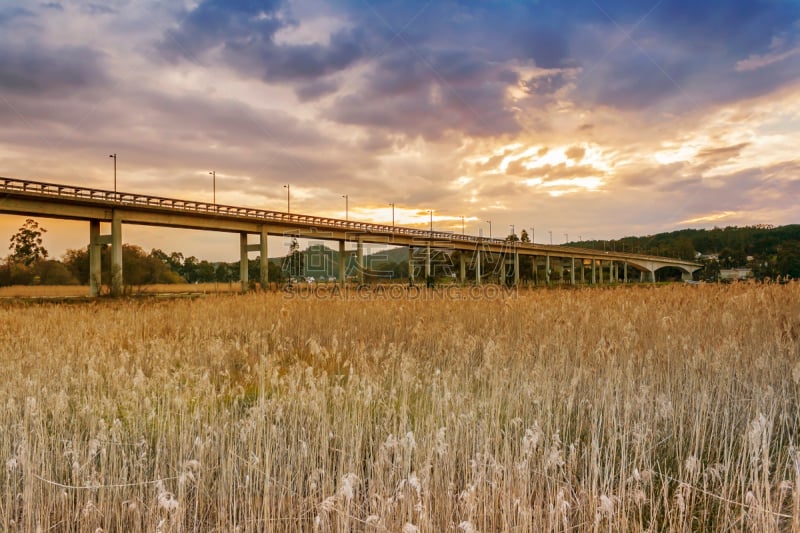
648,409
76,291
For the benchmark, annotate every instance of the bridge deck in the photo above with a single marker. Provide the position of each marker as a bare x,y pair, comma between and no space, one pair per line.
33,198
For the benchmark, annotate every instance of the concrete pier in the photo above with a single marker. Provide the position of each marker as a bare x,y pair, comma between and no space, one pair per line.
263,252
243,262
116,255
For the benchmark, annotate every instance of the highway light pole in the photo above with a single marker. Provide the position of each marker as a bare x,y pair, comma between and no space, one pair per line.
288,204
392,204
346,207
214,185
551,236
490,228
114,156
463,230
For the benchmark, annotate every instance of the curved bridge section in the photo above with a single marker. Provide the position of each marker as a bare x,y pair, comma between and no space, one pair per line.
572,264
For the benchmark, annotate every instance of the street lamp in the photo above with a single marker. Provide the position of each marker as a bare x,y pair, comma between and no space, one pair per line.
533,235
346,207
513,229
288,204
392,204
214,186
551,236
566,238
114,156
463,231
430,212
490,228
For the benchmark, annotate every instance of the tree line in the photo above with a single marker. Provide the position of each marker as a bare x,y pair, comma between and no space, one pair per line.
769,251
29,264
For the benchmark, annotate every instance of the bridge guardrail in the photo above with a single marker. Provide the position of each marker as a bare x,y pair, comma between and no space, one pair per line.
157,202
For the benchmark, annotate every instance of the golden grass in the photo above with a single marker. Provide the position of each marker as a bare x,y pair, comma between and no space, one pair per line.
647,409
66,291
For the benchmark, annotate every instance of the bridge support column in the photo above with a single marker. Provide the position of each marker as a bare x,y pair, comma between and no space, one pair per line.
652,276
95,251
516,269
360,261
411,265
462,267
478,266
342,264
243,261
116,255
572,271
547,269
264,252
534,273
583,272
594,274
428,263
625,272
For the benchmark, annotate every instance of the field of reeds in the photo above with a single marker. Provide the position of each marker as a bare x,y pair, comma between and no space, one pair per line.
79,291
669,408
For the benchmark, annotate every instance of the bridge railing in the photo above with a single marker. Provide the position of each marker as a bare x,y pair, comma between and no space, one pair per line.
140,200
113,198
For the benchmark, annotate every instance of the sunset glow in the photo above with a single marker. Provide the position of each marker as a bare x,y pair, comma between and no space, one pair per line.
580,117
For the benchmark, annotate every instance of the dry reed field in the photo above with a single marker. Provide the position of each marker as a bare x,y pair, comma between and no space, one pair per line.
79,291
669,408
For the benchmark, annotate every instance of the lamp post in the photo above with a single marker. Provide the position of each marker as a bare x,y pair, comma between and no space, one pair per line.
566,238
288,201
490,228
430,212
513,229
114,156
392,204
214,185
463,230
346,207
551,236
533,235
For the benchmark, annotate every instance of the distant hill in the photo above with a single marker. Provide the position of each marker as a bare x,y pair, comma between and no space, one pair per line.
749,240
769,251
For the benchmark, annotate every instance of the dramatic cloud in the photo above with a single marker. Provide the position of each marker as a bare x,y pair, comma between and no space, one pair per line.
600,118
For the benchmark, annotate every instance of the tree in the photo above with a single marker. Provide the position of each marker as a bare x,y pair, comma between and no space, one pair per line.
789,259
524,237
52,272
294,261
27,244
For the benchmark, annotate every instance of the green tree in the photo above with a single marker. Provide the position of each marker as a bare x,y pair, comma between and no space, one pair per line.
789,259
27,245
51,272
294,261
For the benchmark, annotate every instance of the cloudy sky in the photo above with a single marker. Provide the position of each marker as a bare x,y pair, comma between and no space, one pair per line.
598,118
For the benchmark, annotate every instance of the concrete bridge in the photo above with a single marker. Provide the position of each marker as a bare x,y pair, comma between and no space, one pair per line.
31,198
